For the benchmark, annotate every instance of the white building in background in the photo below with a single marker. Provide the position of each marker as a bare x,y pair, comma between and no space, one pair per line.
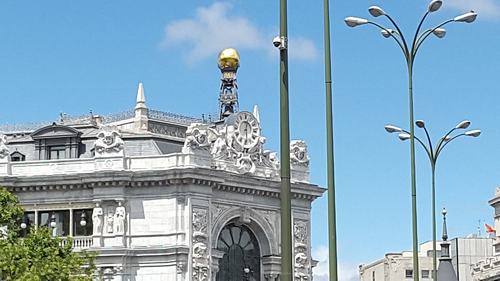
488,269
161,196
399,266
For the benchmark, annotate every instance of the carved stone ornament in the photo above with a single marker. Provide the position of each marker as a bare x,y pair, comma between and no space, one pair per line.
109,143
300,232
298,153
200,252
4,150
237,145
301,259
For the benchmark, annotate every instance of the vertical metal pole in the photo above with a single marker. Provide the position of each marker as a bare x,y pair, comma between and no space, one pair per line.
332,224
434,230
413,173
285,196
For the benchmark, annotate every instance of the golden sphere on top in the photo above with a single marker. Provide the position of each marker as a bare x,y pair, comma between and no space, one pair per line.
229,59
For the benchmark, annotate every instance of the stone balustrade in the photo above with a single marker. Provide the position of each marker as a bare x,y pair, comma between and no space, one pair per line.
79,242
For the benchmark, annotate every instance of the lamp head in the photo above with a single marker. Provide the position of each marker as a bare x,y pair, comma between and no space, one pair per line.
387,32
392,129
444,212
473,133
24,225
439,32
434,5
463,125
53,224
354,21
420,123
83,222
404,136
376,11
467,17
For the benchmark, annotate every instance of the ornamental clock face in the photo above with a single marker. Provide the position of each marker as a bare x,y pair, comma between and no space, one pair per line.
247,131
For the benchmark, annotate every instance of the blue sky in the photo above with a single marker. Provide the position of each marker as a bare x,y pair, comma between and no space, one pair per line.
59,56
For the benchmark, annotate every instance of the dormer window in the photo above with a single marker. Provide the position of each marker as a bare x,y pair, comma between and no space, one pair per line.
57,142
17,156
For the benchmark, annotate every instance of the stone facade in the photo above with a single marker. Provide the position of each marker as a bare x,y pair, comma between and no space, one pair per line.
151,192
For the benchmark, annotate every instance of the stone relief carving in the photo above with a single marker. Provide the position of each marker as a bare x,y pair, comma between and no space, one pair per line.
200,253
97,214
109,143
238,143
109,220
120,219
298,153
300,232
4,150
302,263
217,210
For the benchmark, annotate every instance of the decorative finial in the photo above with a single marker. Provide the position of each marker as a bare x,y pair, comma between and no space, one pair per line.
141,110
228,62
445,231
140,100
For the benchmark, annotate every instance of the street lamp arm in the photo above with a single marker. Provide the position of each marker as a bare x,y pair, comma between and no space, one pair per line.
392,35
415,37
406,50
429,141
429,154
447,142
443,141
426,34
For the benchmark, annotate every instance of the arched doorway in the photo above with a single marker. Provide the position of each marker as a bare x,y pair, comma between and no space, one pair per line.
241,260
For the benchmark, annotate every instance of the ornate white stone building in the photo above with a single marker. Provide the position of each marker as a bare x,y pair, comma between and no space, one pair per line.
161,196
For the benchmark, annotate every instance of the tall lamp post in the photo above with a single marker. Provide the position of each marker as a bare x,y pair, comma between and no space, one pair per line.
281,42
433,154
330,170
410,52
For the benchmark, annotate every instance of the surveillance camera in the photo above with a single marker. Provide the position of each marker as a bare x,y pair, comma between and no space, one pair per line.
280,42
277,41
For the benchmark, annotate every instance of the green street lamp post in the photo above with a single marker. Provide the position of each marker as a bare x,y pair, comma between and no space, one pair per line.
410,52
433,154
281,42
330,170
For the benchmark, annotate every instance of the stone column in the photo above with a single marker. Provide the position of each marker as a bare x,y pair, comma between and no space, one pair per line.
71,222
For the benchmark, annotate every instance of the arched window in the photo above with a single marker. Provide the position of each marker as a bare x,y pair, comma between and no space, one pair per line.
241,260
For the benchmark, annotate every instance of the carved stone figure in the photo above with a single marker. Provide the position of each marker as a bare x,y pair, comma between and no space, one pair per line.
97,219
109,222
120,219
4,150
298,153
109,143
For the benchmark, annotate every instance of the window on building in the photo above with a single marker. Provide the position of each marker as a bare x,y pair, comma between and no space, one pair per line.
27,223
56,152
425,273
409,273
82,222
373,275
58,221
17,156
57,142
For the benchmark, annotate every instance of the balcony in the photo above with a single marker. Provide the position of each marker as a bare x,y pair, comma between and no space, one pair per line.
79,242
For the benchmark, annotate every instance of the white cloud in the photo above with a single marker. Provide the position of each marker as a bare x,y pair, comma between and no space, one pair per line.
485,8
213,28
346,272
